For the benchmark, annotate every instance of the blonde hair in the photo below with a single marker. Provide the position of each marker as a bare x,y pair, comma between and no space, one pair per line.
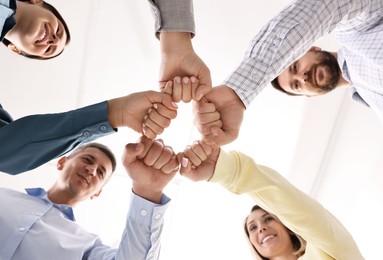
298,242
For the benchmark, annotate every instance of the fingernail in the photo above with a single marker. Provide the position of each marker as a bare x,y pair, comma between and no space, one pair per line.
185,80
155,106
184,162
174,104
177,79
193,79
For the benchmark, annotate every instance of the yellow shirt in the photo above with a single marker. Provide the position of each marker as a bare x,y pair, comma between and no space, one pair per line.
326,237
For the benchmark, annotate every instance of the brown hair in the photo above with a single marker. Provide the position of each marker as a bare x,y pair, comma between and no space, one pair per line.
298,242
101,147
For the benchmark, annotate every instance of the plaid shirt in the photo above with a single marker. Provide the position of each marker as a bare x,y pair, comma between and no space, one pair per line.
291,33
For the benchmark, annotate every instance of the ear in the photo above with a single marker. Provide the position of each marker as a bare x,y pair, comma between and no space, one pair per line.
13,48
60,163
314,48
96,195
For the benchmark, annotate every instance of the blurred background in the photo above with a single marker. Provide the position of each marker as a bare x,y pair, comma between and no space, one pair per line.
329,146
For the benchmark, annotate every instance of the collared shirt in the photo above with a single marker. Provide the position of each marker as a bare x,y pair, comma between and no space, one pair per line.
34,228
361,62
291,33
7,19
31,141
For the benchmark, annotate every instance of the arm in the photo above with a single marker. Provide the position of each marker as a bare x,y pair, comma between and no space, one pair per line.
303,215
31,141
7,20
299,212
288,36
174,26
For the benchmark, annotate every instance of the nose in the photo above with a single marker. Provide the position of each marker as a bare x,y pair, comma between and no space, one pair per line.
262,229
53,39
91,170
302,77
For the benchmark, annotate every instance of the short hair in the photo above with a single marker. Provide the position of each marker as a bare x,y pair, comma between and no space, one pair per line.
101,147
276,85
298,242
56,13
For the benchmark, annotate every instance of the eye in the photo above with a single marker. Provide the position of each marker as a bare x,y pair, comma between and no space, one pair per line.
269,219
100,173
252,228
295,67
48,49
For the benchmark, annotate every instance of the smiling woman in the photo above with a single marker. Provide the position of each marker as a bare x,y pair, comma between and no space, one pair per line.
39,32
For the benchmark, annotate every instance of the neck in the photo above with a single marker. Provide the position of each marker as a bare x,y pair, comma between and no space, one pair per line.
60,196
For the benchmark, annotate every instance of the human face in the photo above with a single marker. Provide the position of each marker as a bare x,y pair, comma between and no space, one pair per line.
83,175
315,73
268,235
37,32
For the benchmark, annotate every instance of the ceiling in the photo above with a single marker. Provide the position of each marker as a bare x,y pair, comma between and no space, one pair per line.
330,147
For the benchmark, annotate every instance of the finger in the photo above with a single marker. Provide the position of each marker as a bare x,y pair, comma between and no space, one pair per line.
205,84
167,88
147,143
131,151
164,158
199,152
153,153
194,85
203,106
163,111
171,166
177,90
163,98
149,124
192,156
220,137
186,90
185,167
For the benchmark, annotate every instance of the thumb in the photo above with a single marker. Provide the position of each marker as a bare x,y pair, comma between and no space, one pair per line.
219,137
163,98
131,151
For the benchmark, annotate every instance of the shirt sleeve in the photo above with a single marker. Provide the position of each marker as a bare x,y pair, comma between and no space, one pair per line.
141,237
299,212
33,140
173,16
284,39
7,19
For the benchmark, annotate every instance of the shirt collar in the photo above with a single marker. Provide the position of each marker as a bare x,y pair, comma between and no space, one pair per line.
42,194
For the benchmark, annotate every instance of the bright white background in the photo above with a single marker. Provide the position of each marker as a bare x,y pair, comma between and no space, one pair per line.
329,146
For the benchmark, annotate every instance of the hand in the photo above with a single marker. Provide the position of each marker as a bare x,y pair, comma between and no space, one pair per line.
179,59
182,89
151,165
230,108
198,161
131,110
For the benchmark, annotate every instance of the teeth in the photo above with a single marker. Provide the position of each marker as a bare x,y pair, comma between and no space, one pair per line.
267,238
45,33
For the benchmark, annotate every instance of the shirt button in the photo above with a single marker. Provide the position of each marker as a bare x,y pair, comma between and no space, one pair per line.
86,133
21,229
103,128
143,212
157,216
150,255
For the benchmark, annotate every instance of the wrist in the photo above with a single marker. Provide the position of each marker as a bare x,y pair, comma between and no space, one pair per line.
114,112
171,42
146,193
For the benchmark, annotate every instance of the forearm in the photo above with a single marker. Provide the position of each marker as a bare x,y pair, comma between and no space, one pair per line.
31,141
173,16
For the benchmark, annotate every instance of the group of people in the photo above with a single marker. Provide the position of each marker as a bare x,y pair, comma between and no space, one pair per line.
285,223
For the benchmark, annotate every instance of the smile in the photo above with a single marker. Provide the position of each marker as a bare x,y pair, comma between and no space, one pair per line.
265,239
43,36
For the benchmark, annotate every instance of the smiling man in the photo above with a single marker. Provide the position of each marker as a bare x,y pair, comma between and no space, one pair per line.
40,224
34,28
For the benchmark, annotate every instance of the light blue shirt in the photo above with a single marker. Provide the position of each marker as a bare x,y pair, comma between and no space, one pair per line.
6,13
33,228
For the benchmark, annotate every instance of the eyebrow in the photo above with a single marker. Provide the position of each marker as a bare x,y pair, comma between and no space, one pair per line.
94,159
